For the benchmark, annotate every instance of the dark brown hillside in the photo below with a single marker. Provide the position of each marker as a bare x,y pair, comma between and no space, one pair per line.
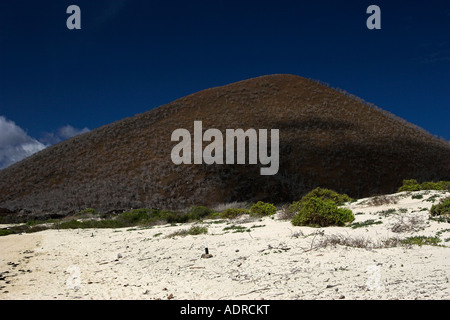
326,139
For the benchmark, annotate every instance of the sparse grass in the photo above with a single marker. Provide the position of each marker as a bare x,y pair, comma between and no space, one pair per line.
258,226
236,229
92,224
354,242
31,223
432,198
439,233
410,223
364,224
193,231
382,200
362,242
440,219
24,228
386,213
421,241
219,221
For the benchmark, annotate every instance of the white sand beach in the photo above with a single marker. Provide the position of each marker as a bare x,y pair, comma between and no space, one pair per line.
270,259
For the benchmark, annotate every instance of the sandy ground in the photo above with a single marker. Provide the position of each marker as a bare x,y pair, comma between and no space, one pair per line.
275,260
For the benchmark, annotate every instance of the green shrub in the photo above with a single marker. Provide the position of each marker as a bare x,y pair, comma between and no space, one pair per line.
233,213
413,185
417,196
445,185
441,185
175,217
262,209
326,194
318,212
137,216
198,213
409,185
5,232
320,193
443,208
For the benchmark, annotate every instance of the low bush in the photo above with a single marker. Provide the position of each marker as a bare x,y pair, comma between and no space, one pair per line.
5,232
261,209
137,216
92,224
441,185
195,230
386,213
413,185
327,194
321,193
317,212
442,208
199,213
152,216
410,185
233,213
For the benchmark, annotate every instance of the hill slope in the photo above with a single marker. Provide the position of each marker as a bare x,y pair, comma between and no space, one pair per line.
327,139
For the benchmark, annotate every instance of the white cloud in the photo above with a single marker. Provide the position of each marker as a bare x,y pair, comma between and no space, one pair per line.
62,133
15,143
68,131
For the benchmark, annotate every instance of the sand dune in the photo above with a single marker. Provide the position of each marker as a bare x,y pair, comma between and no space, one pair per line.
271,259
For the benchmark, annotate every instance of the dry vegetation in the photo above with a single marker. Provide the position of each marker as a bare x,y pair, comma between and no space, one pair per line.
327,138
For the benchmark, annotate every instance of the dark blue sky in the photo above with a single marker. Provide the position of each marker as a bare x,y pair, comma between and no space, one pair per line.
131,56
